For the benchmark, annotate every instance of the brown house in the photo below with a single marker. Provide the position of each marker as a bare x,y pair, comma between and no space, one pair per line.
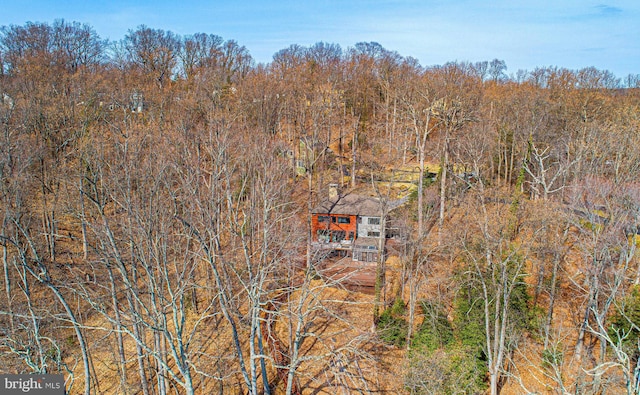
348,223
331,227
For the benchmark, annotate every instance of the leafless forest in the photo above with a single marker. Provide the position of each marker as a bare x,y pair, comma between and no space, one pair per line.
155,219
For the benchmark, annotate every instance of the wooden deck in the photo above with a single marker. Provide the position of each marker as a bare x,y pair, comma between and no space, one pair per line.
349,273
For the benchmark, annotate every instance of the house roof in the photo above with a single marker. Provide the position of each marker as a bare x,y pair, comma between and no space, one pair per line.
350,204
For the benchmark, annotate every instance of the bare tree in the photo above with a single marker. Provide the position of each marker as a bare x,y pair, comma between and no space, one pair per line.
154,51
548,175
496,269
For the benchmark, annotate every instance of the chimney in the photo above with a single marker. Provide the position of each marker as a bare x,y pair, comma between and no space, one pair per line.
333,191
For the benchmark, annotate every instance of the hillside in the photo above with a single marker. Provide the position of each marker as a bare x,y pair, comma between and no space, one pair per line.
158,231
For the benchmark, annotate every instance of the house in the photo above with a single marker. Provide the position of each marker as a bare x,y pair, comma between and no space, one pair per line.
8,101
350,224
137,103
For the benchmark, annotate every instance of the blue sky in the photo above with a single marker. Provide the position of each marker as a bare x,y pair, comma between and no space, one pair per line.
526,34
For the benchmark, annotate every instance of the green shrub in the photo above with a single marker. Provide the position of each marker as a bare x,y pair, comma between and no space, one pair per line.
551,358
435,331
427,180
392,326
625,323
444,361
448,371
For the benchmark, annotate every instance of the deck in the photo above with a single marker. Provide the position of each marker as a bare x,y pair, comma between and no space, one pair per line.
349,273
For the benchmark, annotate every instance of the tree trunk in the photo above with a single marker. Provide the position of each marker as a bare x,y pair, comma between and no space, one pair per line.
380,269
122,363
558,257
413,293
421,192
159,366
83,223
443,186
81,342
7,279
354,143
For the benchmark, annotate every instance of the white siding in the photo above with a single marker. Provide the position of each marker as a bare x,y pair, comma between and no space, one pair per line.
367,226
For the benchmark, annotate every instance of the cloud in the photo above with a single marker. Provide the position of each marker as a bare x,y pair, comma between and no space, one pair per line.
607,10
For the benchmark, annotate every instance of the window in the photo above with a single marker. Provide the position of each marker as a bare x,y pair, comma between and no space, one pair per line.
323,218
338,235
323,235
344,220
350,235
374,221
373,234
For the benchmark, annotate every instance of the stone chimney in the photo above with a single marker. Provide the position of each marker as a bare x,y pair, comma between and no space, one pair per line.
333,191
